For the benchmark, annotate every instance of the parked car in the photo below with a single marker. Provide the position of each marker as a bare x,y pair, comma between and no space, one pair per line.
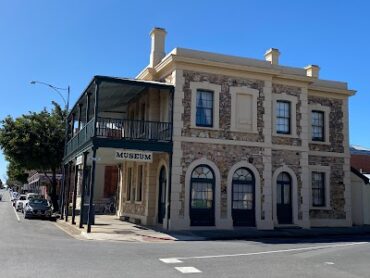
20,202
37,207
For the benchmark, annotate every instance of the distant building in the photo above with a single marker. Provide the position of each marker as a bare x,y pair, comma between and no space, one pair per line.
41,183
360,158
202,140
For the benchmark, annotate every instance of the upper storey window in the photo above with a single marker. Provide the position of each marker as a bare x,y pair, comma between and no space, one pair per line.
204,108
318,126
283,115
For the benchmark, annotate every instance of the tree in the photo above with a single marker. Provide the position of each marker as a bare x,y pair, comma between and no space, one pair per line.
15,172
36,141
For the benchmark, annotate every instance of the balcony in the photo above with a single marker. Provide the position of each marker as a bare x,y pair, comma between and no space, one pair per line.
118,129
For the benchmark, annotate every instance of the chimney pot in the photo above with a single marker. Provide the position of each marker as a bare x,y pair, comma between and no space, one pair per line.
312,71
157,53
272,56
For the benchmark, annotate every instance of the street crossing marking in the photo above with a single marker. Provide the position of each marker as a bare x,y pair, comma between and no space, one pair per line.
329,263
170,261
267,252
188,270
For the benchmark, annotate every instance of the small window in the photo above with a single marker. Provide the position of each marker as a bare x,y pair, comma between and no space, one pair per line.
317,123
283,117
204,111
129,181
318,189
140,181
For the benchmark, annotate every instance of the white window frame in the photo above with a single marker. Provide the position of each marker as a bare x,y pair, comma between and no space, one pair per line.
326,111
235,91
216,89
293,114
326,171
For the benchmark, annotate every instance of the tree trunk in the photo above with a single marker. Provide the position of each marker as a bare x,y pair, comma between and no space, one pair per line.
53,193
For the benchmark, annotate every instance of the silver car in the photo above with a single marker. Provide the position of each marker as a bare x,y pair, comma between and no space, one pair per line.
37,208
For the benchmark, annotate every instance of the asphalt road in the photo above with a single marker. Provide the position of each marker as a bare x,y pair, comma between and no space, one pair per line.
36,248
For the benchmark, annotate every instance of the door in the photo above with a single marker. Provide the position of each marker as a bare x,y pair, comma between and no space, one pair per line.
202,211
284,199
243,198
162,195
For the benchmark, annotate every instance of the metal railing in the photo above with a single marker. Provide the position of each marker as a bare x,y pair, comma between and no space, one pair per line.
122,130
134,129
81,137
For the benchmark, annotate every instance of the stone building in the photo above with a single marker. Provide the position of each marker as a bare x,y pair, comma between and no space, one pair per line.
210,141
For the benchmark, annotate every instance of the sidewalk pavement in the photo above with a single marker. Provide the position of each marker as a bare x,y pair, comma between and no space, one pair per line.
110,228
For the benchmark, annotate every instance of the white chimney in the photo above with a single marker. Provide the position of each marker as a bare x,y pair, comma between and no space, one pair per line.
157,52
312,71
272,56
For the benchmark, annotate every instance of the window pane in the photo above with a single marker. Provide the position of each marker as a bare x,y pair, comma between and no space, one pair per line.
283,117
317,122
204,108
318,189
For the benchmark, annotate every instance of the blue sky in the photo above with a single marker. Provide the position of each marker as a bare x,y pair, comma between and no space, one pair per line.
67,42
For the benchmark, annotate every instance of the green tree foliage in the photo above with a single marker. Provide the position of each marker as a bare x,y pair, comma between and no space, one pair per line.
36,141
15,172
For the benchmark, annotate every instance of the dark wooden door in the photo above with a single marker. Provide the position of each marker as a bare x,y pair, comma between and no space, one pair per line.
110,181
162,195
284,199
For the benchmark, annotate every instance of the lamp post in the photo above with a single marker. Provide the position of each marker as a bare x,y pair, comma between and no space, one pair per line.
66,102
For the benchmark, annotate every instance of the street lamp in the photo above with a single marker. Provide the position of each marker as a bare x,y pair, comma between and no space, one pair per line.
66,102
57,90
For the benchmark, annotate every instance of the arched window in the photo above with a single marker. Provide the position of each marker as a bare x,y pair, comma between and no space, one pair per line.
243,197
202,196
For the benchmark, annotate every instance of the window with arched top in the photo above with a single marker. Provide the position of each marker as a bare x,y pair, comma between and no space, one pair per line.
243,197
202,187
284,198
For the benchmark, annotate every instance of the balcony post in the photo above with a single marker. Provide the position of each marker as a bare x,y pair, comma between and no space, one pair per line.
74,196
83,189
73,125
79,116
66,202
92,185
61,204
87,111
96,106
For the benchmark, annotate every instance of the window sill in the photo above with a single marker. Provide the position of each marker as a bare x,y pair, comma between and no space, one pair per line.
138,202
285,135
320,208
326,143
205,128
243,130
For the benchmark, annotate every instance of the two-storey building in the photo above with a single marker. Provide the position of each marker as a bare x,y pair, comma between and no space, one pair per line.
208,141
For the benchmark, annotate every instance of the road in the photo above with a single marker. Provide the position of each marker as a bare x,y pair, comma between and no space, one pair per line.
36,248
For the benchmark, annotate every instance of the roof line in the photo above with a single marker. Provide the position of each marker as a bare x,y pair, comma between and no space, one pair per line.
360,175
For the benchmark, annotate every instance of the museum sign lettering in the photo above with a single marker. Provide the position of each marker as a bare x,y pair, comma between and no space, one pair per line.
138,156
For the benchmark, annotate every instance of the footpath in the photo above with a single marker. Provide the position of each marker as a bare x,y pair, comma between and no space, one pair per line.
110,228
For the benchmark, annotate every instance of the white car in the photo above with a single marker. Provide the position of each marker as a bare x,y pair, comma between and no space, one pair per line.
29,196
19,204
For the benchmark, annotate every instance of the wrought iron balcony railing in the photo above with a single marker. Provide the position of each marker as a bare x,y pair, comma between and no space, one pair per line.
122,130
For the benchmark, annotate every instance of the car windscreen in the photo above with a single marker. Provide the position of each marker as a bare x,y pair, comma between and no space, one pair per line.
22,198
38,202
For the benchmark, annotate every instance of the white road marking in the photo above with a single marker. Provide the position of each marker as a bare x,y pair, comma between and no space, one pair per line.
188,270
269,252
330,263
16,214
170,261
